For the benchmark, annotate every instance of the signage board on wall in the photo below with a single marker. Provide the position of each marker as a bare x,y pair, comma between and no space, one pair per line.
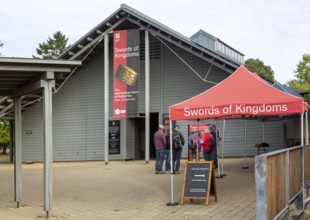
114,137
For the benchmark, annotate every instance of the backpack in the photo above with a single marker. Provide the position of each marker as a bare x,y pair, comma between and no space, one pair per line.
212,141
177,141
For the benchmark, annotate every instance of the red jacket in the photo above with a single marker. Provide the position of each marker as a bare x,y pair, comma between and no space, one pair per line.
206,142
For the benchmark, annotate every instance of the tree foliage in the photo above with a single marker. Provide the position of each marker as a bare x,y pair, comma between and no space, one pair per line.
4,135
53,47
302,74
258,66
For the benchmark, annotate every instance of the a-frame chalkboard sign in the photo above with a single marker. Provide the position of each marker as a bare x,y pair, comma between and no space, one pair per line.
199,181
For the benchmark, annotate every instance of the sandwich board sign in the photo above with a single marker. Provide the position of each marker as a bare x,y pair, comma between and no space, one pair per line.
199,181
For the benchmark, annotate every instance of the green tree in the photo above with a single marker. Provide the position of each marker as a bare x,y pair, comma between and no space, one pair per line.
302,74
4,135
53,47
258,66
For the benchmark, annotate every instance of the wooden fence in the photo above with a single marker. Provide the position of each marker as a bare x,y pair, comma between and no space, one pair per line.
282,181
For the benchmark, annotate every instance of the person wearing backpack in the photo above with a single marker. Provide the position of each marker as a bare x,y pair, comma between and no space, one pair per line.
208,145
178,143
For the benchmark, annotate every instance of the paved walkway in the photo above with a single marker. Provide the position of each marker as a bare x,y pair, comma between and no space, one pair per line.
124,190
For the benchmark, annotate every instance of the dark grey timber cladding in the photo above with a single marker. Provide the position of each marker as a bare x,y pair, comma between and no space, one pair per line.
94,72
180,82
78,118
130,138
32,144
70,126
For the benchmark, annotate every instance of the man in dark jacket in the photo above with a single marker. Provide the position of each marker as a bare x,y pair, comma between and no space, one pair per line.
178,143
160,144
214,133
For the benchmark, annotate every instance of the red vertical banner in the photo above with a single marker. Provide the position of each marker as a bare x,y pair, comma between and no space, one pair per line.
126,73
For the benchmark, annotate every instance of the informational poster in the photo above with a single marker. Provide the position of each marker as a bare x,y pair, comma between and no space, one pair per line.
114,137
199,181
201,129
126,73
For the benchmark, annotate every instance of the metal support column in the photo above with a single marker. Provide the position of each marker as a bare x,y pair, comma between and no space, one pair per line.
172,202
48,145
18,151
245,165
303,161
147,97
106,98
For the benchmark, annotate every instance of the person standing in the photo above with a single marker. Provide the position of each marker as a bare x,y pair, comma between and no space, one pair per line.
214,133
160,144
178,143
207,148
192,145
167,150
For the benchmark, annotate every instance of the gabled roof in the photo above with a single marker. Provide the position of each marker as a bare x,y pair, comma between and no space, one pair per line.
126,18
241,94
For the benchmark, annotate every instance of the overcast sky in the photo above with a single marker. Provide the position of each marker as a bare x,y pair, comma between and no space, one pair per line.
274,31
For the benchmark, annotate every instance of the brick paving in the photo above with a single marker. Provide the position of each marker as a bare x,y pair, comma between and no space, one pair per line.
124,190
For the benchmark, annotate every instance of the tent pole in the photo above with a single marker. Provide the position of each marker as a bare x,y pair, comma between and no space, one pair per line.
223,144
217,150
172,203
197,150
245,166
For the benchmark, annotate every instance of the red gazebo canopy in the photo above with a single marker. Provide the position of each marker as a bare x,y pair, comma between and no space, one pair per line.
243,93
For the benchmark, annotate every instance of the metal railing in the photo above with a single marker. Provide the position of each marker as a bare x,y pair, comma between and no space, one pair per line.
282,182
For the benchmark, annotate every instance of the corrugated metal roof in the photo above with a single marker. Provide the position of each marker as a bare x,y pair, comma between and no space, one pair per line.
286,89
16,74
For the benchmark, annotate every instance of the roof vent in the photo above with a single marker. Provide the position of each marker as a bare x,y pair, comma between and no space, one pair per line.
214,44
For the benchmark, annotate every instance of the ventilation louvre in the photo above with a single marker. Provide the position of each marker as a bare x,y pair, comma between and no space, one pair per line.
154,51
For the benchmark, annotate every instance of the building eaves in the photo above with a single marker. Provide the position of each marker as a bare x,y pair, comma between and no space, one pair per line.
23,77
127,13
